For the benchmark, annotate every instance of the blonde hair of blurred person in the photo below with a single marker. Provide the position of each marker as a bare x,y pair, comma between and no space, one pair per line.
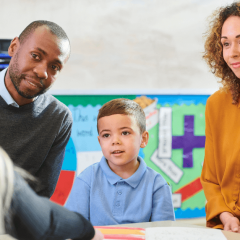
6,187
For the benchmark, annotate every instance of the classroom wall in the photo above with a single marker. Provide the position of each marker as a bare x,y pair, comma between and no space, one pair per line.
124,44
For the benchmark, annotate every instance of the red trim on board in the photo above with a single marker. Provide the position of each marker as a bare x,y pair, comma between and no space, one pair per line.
190,189
63,188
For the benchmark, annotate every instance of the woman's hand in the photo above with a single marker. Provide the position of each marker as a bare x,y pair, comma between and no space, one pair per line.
229,222
98,235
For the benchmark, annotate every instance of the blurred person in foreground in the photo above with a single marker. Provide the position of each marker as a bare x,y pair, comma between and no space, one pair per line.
221,169
25,215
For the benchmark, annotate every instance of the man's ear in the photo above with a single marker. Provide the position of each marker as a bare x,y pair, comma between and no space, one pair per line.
14,45
145,137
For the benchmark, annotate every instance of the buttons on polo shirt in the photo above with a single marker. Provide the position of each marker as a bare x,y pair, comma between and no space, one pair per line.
117,204
234,207
119,192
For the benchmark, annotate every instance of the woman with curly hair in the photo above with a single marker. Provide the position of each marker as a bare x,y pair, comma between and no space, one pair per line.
221,169
25,215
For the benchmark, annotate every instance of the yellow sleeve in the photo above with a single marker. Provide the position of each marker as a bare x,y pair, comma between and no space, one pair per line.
215,201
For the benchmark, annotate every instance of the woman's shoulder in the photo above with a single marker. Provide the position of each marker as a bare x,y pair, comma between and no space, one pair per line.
219,106
220,97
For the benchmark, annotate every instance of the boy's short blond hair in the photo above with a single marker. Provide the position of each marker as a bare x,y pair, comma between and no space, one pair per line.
126,107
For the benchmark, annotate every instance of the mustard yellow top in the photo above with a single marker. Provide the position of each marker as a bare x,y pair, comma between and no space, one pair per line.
221,169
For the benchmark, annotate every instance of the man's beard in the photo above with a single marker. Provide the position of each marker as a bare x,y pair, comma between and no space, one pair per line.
16,79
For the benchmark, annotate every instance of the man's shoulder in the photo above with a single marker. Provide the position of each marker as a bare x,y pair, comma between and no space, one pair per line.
57,107
51,100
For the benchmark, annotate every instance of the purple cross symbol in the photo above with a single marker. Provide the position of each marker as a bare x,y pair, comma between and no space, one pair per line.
188,141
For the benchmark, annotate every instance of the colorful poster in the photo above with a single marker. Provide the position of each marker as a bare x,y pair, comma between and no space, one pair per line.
176,150
176,125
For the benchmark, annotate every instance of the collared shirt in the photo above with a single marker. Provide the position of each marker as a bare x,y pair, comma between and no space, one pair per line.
104,198
4,92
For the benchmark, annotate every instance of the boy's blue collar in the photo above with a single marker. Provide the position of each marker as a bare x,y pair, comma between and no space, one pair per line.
113,178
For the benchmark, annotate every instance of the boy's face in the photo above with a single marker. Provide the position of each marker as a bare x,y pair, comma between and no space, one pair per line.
120,140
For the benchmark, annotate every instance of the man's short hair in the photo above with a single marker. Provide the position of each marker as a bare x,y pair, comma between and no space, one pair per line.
125,107
53,27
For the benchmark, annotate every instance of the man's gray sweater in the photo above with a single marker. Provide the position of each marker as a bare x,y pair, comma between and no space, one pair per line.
35,136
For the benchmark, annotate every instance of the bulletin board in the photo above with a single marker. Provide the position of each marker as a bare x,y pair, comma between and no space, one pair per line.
176,125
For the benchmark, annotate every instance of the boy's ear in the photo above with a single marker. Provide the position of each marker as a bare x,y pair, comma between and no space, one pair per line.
14,45
98,139
145,137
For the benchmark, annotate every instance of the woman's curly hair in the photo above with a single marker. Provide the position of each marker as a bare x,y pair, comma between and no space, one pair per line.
213,54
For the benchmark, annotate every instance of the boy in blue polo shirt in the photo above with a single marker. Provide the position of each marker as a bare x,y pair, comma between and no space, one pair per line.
121,188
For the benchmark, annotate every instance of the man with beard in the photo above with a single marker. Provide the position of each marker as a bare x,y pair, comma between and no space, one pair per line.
34,126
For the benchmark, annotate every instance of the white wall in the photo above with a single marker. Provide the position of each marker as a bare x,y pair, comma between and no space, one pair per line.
124,44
